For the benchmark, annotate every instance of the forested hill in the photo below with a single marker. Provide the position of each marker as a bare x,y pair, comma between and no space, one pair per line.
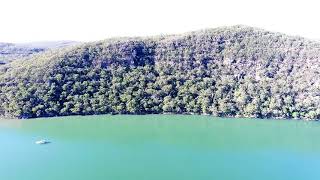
229,71
10,51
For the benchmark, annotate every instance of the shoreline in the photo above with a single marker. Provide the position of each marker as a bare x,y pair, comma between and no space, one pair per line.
167,113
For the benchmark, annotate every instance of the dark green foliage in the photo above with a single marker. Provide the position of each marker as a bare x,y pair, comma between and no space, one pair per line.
232,71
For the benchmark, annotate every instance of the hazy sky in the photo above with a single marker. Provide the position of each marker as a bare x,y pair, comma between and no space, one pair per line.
86,20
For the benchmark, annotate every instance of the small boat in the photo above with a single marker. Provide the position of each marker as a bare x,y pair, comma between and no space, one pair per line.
42,141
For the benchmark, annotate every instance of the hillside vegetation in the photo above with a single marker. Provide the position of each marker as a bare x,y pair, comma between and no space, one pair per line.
229,71
10,51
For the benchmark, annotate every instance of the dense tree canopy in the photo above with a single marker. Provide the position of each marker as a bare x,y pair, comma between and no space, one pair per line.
230,71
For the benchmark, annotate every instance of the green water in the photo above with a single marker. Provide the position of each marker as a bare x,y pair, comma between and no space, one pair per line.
159,147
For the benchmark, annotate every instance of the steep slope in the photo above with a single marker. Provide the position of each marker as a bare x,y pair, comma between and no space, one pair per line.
10,51
228,71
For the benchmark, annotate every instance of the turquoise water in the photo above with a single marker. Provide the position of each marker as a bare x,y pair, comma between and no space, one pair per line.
159,147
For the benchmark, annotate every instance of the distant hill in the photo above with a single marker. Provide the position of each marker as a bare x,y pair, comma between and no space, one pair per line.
10,51
229,71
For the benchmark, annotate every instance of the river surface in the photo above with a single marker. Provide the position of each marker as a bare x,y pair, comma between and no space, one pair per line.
159,147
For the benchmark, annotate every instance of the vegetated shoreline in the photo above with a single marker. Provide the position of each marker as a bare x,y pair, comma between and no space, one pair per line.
167,113
233,71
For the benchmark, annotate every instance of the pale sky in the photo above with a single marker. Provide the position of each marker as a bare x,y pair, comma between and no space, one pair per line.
88,20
